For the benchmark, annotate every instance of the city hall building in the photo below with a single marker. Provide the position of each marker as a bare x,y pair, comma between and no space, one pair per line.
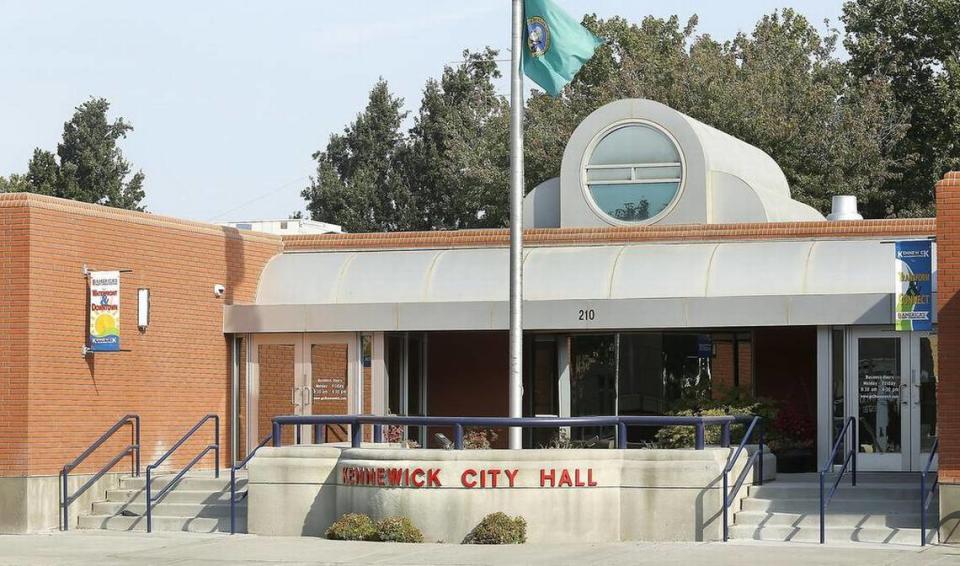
668,261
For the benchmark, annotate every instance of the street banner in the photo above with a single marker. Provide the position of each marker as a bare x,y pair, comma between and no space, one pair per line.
913,308
104,311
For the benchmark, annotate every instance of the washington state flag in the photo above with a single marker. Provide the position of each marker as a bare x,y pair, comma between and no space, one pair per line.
556,45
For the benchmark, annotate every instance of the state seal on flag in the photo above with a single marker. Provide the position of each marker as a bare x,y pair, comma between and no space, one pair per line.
538,36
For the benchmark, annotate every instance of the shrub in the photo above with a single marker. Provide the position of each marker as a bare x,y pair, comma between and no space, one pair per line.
733,402
353,526
499,528
398,529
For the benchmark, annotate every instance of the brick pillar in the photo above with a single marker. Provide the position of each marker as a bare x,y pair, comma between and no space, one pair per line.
948,330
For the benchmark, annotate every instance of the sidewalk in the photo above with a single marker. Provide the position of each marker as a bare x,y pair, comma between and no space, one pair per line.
102,548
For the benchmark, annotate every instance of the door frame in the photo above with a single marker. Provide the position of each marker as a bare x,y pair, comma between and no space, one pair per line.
302,375
882,462
354,386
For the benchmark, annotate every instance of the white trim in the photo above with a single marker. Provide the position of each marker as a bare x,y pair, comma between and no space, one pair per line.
825,394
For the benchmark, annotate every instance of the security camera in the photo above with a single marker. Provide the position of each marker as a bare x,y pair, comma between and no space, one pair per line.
219,290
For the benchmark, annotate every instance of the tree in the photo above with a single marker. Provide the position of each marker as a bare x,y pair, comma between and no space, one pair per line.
457,164
914,47
358,182
780,88
14,184
89,165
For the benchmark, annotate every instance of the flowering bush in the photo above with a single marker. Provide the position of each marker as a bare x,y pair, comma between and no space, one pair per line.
479,438
398,529
352,526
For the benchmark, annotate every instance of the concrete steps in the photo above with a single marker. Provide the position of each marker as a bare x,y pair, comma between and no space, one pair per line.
881,509
198,503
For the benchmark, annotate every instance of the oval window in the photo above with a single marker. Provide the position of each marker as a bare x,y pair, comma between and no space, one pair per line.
634,173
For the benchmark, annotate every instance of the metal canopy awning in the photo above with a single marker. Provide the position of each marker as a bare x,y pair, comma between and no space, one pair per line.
653,285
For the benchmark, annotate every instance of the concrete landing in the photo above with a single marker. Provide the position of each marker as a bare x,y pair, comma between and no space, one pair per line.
103,548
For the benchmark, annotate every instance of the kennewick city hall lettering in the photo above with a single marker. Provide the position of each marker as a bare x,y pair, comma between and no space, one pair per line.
469,478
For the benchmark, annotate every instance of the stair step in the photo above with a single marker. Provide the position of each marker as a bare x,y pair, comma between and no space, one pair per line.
877,535
162,523
837,506
846,491
204,482
880,520
175,495
164,508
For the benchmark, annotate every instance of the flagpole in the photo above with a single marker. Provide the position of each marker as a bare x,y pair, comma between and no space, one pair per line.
516,228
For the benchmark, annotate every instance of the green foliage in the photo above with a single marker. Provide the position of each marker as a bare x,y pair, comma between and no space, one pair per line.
352,526
882,126
499,528
14,184
780,88
398,529
914,47
88,165
358,183
732,402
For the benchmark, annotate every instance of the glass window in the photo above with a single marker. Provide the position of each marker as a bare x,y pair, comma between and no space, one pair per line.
634,173
928,392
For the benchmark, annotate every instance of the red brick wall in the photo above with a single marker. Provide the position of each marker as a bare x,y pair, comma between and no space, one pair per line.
14,306
174,373
948,325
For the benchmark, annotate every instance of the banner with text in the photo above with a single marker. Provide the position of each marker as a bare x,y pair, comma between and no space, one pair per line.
105,311
913,308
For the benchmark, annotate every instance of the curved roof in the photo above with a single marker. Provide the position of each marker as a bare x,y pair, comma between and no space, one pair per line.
652,285
662,270
725,179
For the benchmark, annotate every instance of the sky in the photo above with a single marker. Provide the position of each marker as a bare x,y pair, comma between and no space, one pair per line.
230,99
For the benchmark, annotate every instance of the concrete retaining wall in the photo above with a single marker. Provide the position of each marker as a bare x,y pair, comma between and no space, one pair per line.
31,504
613,495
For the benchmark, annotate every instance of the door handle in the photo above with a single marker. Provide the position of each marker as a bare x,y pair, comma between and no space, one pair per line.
294,394
904,390
307,398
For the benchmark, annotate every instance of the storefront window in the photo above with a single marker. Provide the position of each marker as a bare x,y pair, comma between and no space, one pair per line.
634,172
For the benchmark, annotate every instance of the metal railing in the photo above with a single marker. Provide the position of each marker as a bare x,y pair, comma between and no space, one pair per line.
233,481
215,446
756,458
133,449
925,497
849,455
622,424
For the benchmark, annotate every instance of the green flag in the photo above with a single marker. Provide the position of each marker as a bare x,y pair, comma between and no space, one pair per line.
556,45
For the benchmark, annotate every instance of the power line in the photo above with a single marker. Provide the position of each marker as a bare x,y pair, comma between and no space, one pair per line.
262,196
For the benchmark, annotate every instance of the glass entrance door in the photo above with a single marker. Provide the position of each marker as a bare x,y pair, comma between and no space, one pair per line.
891,387
276,385
329,384
301,374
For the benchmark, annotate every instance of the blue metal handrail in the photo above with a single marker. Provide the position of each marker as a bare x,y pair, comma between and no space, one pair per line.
849,455
216,469
233,481
622,423
730,497
926,498
133,449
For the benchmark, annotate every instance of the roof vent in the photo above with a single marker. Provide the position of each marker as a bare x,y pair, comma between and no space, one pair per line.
844,208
